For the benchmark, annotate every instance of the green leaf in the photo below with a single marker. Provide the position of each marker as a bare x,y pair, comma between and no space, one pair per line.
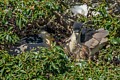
22,71
7,37
115,40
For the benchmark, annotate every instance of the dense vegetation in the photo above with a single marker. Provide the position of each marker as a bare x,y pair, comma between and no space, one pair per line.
21,18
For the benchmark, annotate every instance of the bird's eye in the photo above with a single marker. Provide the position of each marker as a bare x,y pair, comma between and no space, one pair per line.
17,51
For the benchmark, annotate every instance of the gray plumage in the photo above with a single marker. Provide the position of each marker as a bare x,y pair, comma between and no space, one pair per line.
85,42
74,49
31,43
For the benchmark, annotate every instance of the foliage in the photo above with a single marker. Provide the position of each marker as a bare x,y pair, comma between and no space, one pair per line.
8,37
19,15
17,18
53,64
46,63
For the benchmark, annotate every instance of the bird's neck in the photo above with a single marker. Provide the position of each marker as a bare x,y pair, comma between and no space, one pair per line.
73,42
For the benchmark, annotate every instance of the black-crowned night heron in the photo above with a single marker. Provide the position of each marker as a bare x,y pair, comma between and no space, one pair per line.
74,48
93,41
32,43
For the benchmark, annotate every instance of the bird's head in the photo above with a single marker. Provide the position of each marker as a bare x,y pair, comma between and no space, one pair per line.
47,38
77,27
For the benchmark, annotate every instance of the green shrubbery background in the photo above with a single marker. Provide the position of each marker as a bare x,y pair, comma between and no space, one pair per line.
19,18
16,17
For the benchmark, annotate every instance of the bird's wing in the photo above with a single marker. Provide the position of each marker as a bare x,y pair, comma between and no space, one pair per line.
100,33
92,43
97,41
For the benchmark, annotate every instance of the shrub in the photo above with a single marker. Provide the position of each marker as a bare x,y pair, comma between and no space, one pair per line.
29,65
20,17
53,64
